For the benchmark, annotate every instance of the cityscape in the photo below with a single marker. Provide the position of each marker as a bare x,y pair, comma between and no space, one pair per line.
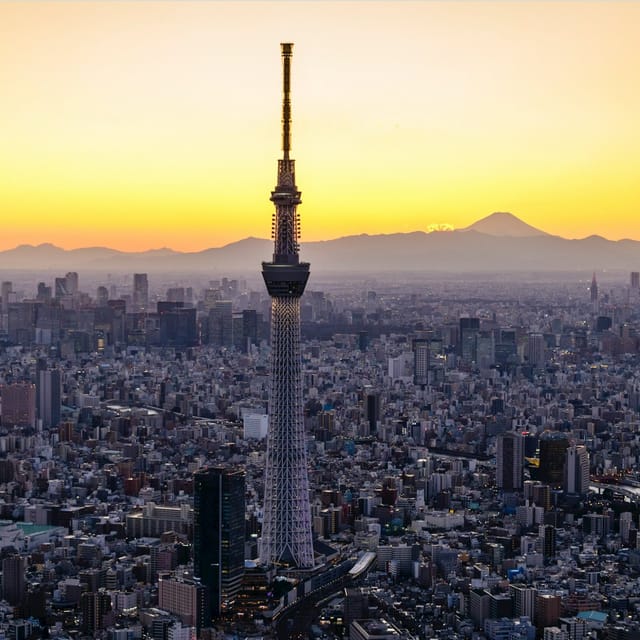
427,434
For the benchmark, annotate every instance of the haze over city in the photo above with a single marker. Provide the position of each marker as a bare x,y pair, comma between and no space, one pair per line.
139,125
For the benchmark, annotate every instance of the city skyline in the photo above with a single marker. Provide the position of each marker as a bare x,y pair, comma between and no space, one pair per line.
141,125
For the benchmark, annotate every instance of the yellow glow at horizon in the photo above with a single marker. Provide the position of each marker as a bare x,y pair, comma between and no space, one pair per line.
138,125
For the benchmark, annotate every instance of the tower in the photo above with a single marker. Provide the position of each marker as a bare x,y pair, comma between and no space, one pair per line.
286,530
218,534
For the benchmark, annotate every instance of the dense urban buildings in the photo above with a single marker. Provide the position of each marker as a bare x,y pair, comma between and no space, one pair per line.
495,493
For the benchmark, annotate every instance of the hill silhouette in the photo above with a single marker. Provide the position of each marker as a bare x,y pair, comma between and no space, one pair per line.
500,242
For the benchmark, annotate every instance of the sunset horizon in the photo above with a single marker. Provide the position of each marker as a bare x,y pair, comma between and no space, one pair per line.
145,125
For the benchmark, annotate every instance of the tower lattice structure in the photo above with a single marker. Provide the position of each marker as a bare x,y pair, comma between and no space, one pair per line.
286,531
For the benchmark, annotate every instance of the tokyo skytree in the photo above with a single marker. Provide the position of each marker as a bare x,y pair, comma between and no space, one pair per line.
286,530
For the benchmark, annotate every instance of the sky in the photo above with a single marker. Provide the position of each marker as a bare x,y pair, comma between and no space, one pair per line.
139,125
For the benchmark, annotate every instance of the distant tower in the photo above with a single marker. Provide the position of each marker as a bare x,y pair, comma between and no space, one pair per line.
140,292
72,282
286,530
218,534
635,280
5,292
594,293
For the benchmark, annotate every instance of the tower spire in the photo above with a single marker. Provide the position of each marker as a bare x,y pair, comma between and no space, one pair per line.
287,53
285,225
286,530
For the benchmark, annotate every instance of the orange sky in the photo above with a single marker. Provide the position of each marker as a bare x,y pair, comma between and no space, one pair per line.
140,124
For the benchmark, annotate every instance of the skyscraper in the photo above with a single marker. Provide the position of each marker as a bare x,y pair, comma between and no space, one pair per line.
218,534
140,292
48,395
421,349
13,582
535,350
593,290
509,461
553,447
469,329
576,478
286,530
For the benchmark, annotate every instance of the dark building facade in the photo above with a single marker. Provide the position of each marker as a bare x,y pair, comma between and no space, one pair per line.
218,537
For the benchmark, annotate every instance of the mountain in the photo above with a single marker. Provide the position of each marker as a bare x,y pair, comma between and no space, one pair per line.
499,243
504,224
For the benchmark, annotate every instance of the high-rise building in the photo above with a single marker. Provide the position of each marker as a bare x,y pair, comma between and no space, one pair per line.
553,447
5,292
94,607
469,329
509,461
593,290
13,581
535,350
576,477
218,534
421,350
524,600
72,282
286,531
140,292
18,404
186,598
221,324
635,280
48,394
60,287
372,409
102,296
547,610
547,535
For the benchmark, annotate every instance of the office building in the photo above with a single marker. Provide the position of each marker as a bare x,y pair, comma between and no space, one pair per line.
221,324
94,609
48,395
421,350
553,447
13,579
140,292
18,405
469,329
535,350
218,534
509,461
186,598
576,478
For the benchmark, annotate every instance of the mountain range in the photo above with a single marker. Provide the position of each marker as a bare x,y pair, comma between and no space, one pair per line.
501,242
